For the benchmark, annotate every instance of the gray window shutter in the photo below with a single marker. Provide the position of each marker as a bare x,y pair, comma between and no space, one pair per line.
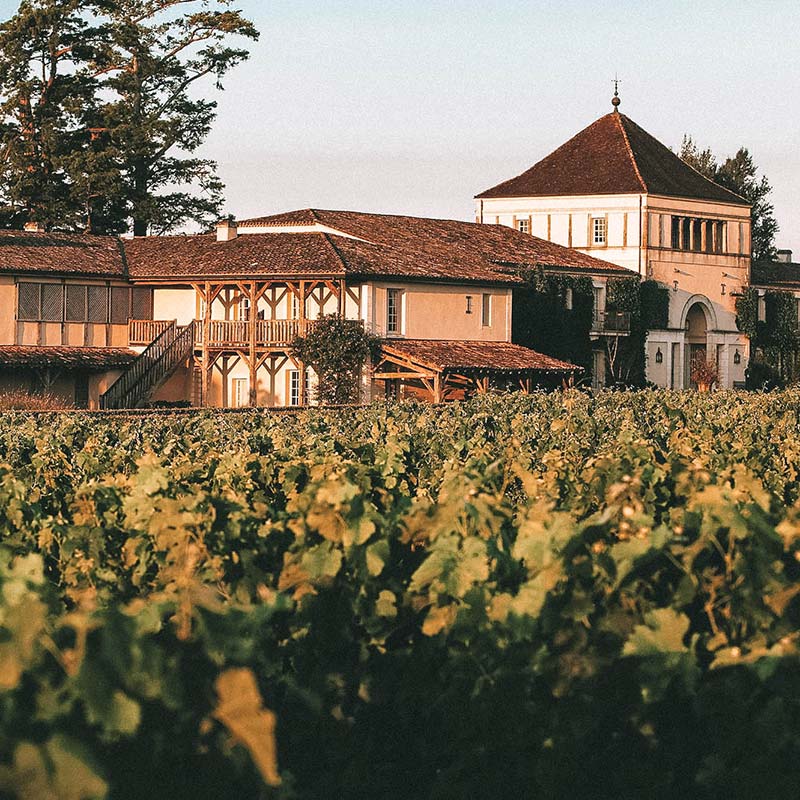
52,302
28,301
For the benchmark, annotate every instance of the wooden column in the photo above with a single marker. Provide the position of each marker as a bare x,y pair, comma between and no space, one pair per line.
252,330
437,388
300,364
206,333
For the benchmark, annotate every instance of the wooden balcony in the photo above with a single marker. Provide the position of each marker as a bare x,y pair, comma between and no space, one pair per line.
142,332
269,332
611,323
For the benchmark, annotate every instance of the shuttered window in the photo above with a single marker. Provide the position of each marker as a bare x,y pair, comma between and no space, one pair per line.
97,304
28,301
141,303
76,303
120,304
52,302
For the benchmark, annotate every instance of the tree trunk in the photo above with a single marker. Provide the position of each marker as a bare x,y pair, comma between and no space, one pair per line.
140,220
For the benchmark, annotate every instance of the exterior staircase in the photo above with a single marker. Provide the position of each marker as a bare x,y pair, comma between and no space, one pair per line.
151,368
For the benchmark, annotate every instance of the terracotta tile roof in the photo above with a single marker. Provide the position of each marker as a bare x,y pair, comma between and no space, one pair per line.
776,274
612,156
88,358
253,255
388,245
60,253
477,356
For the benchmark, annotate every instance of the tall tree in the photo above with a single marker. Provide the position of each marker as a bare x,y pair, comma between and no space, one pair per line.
46,102
99,114
739,174
152,54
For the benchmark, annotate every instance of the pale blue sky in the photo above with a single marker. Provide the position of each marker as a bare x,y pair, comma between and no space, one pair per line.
414,107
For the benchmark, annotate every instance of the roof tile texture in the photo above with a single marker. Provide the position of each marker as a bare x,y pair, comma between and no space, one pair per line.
612,156
492,356
89,358
62,253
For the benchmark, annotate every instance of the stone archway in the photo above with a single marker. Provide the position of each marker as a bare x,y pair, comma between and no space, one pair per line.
696,327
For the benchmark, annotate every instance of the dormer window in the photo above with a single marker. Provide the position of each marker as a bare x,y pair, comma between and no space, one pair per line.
599,230
524,225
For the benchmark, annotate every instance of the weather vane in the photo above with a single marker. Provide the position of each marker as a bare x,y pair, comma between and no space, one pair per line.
615,101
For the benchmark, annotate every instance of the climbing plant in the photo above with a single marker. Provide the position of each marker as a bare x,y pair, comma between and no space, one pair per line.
648,304
337,349
553,314
774,340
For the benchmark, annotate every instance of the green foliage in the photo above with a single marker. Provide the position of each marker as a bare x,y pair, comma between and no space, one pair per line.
543,321
774,341
434,602
647,302
739,174
338,350
98,120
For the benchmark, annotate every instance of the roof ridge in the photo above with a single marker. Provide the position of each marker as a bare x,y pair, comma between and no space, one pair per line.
628,147
337,254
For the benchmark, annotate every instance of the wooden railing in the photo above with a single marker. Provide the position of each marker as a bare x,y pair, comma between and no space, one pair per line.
224,333
151,368
143,331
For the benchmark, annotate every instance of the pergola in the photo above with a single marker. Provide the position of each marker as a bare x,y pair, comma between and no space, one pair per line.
447,369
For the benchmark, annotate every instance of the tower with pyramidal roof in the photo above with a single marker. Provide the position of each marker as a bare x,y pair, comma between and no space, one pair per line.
615,192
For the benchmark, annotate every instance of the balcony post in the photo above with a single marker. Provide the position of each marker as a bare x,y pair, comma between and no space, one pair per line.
300,364
206,332
252,323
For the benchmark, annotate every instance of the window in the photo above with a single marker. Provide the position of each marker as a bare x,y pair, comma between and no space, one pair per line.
75,302
394,310
597,302
28,301
469,304
241,392
524,225
486,310
244,308
294,387
676,233
295,309
52,302
599,230
686,233
568,298
120,305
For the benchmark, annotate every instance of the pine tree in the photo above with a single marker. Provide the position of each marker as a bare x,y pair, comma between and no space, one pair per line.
98,128
150,59
46,103
739,174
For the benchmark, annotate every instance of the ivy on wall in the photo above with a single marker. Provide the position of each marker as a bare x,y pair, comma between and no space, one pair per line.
648,304
774,341
543,320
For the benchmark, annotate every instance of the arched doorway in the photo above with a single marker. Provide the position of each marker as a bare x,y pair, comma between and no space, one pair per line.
696,338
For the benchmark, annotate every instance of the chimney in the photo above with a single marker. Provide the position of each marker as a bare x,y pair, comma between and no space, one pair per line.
34,227
226,230
784,256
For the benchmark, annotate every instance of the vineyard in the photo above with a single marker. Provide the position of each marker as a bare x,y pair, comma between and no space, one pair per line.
553,596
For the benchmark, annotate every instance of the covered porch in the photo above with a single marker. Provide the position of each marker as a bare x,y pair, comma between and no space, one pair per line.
442,370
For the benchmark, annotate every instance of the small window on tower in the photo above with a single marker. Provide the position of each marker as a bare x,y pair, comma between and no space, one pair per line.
524,225
599,230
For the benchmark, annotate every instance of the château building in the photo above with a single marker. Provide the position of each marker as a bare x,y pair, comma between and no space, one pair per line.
209,319
615,192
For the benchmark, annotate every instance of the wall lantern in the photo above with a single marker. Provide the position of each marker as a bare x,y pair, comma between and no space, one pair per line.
723,288
659,356
737,357
674,286
469,304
